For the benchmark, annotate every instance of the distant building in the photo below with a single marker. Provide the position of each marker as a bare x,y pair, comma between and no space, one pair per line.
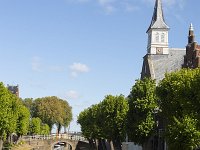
14,89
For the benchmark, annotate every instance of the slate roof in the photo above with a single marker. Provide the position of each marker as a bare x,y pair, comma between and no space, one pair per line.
155,66
158,21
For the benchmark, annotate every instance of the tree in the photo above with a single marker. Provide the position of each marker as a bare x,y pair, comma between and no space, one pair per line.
29,103
8,113
141,115
35,126
66,115
23,120
52,110
179,95
105,120
90,124
183,134
113,112
45,130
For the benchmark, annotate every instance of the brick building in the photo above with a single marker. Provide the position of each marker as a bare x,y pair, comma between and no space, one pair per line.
192,57
13,89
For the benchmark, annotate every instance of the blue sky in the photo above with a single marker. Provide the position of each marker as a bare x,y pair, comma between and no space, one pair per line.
82,50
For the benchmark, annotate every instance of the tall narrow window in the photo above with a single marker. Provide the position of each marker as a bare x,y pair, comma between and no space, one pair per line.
163,37
157,37
149,39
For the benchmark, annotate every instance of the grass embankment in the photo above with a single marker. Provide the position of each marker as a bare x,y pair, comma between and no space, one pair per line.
23,146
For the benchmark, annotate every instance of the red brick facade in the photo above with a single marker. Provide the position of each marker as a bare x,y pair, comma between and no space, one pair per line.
192,57
14,90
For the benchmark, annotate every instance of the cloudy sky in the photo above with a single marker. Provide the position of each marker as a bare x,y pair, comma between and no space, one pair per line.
82,50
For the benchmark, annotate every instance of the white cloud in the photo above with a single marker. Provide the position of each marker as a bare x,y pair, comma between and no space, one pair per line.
72,95
77,68
36,64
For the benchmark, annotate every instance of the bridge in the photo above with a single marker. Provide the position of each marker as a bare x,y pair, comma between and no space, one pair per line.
71,141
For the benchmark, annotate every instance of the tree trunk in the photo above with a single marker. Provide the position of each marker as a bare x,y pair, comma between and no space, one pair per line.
65,129
59,128
91,144
117,143
111,145
1,144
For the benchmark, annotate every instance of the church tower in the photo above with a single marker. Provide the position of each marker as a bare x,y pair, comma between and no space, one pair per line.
158,32
192,57
160,59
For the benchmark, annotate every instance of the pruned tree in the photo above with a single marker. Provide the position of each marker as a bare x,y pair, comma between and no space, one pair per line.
35,126
141,115
105,120
179,95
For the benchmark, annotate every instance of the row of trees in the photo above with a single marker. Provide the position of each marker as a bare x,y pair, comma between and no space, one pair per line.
175,101
30,116
14,116
105,120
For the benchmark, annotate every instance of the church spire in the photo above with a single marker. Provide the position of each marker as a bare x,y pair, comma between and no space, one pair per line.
191,36
158,32
158,21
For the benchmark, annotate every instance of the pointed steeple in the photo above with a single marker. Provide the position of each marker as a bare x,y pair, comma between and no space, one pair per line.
191,27
191,36
158,21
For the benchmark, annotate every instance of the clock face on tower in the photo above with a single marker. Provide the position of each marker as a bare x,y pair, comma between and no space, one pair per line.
159,50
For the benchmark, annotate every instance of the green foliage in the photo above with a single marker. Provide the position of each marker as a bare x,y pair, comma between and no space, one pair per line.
89,121
23,120
45,130
105,120
142,105
15,114
52,110
14,117
29,103
35,126
183,134
66,113
113,110
179,94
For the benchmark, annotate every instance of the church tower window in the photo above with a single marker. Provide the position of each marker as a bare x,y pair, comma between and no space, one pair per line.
149,39
157,37
163,37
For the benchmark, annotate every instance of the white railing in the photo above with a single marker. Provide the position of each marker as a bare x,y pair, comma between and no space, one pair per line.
68,136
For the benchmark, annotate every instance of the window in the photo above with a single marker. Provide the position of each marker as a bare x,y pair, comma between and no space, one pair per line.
149,39
163,37
157,37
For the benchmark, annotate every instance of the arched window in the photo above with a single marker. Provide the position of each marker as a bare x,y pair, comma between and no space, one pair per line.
157,37
163,37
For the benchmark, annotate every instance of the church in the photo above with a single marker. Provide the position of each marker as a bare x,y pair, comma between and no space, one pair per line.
161,59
